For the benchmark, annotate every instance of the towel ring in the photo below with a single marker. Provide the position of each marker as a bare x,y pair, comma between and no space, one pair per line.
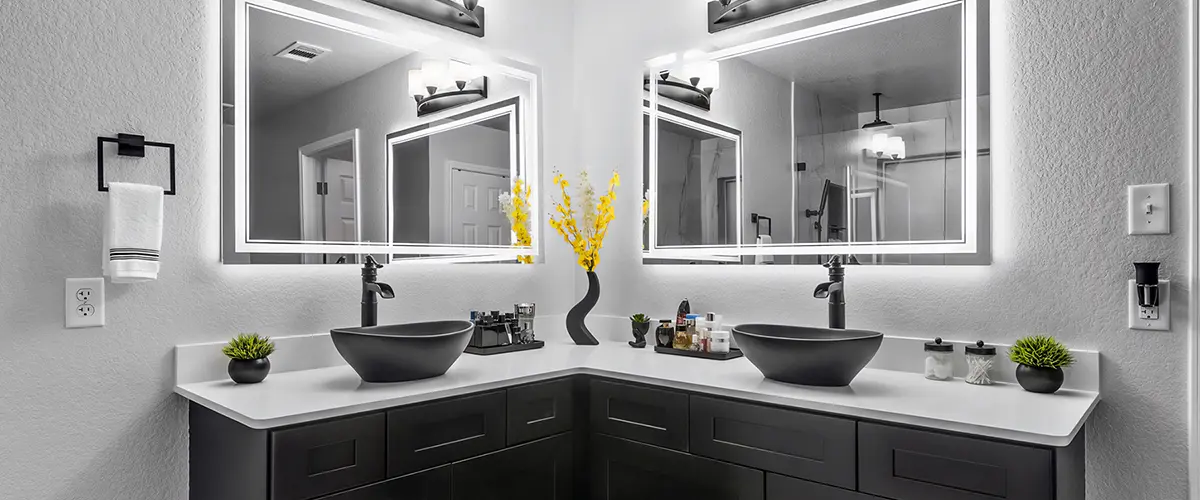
131,145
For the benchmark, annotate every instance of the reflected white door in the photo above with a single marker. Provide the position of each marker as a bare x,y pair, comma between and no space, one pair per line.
475,215
340,201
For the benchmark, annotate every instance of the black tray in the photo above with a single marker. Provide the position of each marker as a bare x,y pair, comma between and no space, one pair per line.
501,349
719,356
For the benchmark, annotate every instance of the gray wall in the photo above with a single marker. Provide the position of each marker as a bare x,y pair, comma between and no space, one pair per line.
90,413
1060,252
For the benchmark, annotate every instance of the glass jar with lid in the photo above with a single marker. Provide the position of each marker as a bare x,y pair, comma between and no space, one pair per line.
939,360
980,358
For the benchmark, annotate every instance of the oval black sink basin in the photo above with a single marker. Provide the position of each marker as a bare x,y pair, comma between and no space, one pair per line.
397,353
805,355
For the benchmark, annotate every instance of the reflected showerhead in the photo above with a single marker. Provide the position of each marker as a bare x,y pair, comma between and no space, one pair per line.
878,124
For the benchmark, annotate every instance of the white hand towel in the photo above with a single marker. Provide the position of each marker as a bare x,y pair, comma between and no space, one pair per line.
133,232
764,240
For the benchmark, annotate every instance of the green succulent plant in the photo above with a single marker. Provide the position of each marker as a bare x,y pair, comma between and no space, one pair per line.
1040,351
639,318
249,346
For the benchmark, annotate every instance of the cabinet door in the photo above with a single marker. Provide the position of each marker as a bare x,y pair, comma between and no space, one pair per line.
628,470
808,446
433,434
788,488
433,484
640,413
540,410
323,458
908,464
541,470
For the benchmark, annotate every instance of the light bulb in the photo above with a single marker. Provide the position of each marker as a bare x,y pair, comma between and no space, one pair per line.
879,144
416,84
895,148
435,74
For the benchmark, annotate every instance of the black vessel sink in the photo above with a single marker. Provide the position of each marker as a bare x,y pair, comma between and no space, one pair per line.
805,355
396,353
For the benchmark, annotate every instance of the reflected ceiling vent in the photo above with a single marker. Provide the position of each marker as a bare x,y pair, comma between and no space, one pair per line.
303,52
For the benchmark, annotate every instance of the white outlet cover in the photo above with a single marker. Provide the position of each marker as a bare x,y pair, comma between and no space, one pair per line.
1149,209
1163,323
83,302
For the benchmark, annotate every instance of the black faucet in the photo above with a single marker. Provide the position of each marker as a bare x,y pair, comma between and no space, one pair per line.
834,291
370,303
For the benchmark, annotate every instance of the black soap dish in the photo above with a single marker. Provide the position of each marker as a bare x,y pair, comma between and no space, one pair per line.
501,349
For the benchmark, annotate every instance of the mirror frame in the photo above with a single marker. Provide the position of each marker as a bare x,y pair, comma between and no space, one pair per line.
393,28
815,27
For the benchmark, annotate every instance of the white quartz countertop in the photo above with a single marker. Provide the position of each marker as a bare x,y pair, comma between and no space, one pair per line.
1002,411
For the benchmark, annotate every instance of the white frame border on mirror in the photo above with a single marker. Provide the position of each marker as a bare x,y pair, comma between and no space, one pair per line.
396,29
970,128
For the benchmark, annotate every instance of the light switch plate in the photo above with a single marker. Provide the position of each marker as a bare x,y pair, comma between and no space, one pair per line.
83,302
1150,209
1163,323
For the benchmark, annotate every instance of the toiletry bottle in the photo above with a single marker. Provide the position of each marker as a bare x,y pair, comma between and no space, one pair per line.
664,336
720,342
684,310
682,339
704,329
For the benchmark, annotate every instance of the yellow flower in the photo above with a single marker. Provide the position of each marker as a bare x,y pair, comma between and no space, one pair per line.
597,214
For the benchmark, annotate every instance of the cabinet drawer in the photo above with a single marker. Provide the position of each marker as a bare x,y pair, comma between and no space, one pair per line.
640,413
908,464
433,484
790,488
804,445
323,458
428,435
627,470
540,410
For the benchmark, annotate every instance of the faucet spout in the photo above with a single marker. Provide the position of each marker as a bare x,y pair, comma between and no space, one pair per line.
383,289
824,290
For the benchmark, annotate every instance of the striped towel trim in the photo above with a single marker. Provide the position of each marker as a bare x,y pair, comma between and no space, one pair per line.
133,254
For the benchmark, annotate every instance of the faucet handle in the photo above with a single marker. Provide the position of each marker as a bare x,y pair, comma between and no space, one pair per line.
369,262
834,262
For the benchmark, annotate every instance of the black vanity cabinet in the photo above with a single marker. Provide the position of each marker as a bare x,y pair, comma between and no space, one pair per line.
587,437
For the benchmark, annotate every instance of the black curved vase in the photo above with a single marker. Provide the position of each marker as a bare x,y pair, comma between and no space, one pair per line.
249,371
575,327
1040,380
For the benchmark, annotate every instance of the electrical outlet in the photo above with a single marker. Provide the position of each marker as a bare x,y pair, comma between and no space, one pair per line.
1150,318
84,302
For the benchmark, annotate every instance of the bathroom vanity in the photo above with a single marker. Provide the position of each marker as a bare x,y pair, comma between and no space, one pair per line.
609,422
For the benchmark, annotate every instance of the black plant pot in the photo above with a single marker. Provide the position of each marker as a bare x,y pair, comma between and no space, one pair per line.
249,371
640,330
579,332
1040,380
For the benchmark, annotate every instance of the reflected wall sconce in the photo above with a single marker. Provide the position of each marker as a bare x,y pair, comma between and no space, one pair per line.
439,85
881,143
462,15
693,85
725,14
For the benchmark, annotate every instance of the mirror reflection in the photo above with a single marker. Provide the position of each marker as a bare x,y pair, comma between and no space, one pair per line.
853,137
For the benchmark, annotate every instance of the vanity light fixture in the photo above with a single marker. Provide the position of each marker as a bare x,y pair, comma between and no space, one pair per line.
725,14
441,84
693,85
462,15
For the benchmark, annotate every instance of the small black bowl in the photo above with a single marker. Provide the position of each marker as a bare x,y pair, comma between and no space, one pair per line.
1040,380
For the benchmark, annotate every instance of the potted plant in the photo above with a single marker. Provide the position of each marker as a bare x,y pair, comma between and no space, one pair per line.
641,327
584,229
248,363
1040,361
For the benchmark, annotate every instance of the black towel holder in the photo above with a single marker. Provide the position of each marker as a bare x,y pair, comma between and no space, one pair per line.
131,145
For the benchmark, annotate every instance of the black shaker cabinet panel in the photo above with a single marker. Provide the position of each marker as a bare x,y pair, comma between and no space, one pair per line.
540,410
433,484
640,413
432,434
315,460
628,470
808,446
790,488
541,470
908,464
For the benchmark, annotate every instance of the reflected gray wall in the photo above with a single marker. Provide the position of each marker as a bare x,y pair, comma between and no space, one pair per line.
411,187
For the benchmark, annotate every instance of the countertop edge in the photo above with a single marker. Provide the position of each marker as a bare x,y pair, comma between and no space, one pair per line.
1055,441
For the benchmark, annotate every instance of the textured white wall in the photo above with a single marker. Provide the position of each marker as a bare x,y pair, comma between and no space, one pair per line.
1088,97
90,413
